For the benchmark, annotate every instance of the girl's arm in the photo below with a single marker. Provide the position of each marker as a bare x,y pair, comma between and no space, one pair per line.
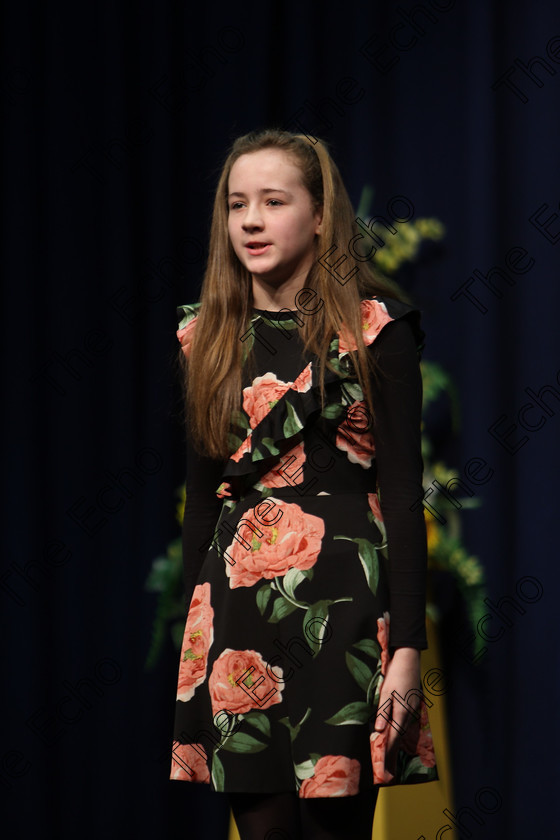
397,435
202,509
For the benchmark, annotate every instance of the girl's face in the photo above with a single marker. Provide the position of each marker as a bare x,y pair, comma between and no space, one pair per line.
271,221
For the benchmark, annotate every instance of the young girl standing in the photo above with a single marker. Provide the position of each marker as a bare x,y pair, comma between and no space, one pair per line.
304,540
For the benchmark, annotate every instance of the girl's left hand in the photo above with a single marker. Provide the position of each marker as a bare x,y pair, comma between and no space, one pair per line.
397,710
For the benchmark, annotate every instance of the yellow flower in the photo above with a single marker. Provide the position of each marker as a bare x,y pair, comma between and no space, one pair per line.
430,228
432,533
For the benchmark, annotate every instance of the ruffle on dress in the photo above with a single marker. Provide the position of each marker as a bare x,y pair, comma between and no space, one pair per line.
281,427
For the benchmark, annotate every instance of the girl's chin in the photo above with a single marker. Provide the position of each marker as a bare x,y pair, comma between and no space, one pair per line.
272,279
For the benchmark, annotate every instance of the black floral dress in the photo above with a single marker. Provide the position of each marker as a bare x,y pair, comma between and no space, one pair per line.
305,567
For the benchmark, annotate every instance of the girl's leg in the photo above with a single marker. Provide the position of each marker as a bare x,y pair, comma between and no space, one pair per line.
338,818
266,816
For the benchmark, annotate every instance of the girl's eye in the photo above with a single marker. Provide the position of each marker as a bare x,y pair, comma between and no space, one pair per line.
274,202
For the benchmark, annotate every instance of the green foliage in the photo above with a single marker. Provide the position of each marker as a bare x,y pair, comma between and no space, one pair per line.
166,578
445,547
403,246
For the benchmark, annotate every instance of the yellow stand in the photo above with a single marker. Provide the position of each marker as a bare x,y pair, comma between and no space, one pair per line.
415,811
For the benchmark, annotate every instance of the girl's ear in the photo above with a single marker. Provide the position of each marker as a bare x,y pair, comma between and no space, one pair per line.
319,218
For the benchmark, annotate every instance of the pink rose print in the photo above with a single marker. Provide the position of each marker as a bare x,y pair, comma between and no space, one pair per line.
358,445
417,738
374,317
383,639
303,382
292,541
188,764
228,692
245,447
335,775
260,397
374,506
378,745
186,335
290,470
197,640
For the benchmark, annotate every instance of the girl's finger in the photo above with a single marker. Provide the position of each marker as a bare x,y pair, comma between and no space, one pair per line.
384,713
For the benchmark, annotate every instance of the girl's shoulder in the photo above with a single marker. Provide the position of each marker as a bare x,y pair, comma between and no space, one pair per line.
378,310
393,307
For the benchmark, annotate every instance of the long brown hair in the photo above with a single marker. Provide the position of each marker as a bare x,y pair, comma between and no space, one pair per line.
213,371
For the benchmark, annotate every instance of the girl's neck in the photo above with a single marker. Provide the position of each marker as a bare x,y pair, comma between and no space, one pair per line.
270,299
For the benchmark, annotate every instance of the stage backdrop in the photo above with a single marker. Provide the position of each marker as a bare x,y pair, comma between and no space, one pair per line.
116,118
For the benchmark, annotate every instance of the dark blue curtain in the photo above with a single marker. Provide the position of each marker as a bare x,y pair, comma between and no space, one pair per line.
116,117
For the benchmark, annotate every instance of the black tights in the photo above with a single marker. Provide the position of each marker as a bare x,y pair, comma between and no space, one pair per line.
284,816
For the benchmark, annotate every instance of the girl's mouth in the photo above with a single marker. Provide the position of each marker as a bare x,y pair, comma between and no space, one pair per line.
257,248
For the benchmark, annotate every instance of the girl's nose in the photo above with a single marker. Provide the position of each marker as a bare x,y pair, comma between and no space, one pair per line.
252,217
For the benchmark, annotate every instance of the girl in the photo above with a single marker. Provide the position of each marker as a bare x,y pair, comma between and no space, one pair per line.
304,541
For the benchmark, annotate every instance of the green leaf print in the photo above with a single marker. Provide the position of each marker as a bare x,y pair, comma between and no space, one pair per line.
367,553
294,577
331,412
335,363
359,670
294,730
258,454
305,769
382,530
292,423
264,491
369,646
239,418
353,391
281,609
263,597
259,720
415,767
286,324
228,506
318,610
218,775
374,687
270,445
354,713
234,442
240,742
368,557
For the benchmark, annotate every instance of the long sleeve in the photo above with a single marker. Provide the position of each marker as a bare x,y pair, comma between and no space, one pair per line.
397,435
202,509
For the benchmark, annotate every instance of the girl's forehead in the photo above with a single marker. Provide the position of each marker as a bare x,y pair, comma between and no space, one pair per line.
266,162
